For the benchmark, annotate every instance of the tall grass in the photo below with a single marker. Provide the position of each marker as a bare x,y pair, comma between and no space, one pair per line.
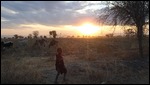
88,60
23,70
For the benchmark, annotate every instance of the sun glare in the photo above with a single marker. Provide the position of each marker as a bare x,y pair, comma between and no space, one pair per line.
88,29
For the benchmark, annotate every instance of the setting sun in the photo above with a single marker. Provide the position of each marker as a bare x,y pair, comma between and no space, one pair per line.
88,29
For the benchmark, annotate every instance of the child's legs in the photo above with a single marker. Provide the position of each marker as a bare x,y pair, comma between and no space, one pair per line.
57,76
65,75
65,72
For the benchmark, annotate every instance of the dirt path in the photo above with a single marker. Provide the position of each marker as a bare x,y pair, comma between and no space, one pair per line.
49,75
72,75
95,72
76,71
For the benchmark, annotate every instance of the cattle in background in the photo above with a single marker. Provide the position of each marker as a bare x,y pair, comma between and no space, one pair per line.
6,44
40,42
21,43
52,43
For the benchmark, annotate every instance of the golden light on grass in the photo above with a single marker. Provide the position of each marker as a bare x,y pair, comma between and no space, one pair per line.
88,29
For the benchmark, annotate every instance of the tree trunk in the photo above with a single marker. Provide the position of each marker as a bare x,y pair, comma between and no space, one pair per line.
140,39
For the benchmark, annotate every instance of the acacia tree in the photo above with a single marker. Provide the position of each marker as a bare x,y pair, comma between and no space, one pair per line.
45,36
16,36
35,33
30,36
127,13
53,33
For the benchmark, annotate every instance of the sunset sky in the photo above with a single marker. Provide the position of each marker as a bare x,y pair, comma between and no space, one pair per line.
66,17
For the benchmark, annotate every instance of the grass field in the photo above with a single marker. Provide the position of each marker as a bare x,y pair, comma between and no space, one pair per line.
88,61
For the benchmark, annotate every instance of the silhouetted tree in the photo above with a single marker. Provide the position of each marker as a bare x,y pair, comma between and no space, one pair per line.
35,33
68,36
53,33
72,36
109,35
30,36
20,37
45,37
127,13
16,36
41,36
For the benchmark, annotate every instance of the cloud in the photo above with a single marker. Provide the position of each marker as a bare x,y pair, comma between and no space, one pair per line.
50,13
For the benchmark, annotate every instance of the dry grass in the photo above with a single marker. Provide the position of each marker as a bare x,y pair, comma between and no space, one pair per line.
25,70
89,61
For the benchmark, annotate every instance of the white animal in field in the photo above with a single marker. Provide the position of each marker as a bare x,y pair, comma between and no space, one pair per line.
22,43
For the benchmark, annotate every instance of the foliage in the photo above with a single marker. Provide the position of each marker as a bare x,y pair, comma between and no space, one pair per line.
30,36
53,33
129,32
16,36
127,13
35,33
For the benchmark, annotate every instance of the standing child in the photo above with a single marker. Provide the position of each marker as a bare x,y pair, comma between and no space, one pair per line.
60,67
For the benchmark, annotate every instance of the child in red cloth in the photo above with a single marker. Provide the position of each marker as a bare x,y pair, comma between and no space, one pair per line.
60,67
